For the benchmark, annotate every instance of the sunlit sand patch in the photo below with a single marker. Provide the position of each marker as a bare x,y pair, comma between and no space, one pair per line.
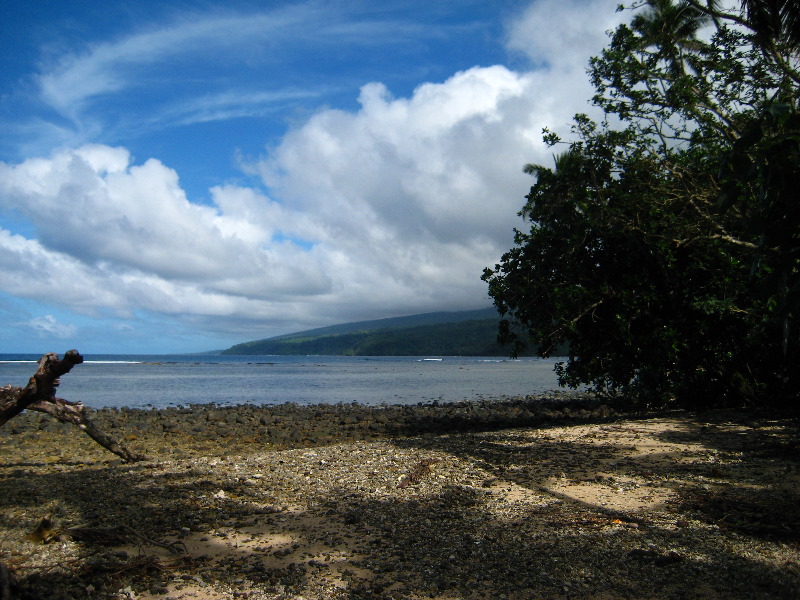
623,494
509,491
619,476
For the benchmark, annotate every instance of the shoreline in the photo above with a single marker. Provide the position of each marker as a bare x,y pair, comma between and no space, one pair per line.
572,501
212,427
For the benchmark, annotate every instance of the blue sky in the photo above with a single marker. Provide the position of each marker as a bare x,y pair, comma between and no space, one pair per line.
183,176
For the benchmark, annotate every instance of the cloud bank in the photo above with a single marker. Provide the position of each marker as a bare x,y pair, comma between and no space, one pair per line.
393,208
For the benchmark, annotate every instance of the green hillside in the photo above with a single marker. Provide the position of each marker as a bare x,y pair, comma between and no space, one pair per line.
468,333
433,318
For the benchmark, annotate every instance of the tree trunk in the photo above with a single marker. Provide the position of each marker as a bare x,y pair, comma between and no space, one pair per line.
40,395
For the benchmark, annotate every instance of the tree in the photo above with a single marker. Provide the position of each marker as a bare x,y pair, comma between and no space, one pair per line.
665,249
672,28
39,395
771,20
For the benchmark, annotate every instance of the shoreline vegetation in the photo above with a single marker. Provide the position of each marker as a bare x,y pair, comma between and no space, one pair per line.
552,496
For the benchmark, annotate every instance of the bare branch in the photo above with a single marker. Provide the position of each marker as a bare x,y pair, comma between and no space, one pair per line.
76,413
39,395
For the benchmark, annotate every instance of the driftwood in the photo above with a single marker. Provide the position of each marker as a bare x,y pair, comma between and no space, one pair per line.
40,395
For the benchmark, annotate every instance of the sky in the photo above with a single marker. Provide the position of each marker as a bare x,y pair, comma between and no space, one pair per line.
183,176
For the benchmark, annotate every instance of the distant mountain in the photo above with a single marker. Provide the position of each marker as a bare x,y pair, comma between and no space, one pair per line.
465,333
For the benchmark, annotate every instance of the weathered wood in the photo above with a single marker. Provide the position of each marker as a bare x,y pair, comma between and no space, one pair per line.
77,414
39,395
42,386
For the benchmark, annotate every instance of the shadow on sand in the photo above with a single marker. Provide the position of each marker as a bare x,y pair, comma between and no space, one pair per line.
509,513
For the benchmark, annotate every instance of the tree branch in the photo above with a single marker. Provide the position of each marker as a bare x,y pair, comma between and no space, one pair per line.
39,395
77,414
42,386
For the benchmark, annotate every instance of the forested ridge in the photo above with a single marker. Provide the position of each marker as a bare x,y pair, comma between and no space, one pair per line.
466,333
470,338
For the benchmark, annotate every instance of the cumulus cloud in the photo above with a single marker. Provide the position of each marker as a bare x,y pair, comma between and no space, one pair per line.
92,204
418,193
423,192
560,35
408,199
393,208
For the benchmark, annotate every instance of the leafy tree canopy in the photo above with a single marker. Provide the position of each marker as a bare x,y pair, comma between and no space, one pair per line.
664,244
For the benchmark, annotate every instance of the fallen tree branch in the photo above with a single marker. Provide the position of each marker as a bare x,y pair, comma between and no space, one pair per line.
42,386
76,413
40,395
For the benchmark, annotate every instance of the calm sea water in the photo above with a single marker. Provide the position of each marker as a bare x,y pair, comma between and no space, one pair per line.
177,380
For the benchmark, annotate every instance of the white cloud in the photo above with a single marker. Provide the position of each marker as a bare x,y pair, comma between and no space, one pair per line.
109,67
561,35
394,208
227,105
407,201
415,195
421,193
222,40
31,271
93,205
48,326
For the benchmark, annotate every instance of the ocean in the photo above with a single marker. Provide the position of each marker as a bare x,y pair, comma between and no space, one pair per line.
160,381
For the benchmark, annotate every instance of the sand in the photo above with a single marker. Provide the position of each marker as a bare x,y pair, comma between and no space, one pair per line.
591,505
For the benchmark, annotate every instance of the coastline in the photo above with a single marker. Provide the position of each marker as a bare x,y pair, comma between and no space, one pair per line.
558,497
209,428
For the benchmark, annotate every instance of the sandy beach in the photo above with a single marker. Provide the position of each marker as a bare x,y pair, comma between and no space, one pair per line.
514,499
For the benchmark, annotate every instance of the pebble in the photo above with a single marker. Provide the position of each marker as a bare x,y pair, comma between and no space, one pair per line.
287,425
326,517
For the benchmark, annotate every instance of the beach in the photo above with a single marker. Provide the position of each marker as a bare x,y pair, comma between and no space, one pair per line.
516,498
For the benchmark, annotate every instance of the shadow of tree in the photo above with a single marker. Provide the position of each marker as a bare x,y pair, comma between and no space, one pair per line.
661,544
499,513
750,483
108,501
461,549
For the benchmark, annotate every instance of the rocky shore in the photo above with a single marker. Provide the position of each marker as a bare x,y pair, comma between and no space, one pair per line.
203,428
516,498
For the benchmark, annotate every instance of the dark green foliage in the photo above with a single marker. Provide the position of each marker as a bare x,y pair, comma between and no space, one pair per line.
774,20
665,250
